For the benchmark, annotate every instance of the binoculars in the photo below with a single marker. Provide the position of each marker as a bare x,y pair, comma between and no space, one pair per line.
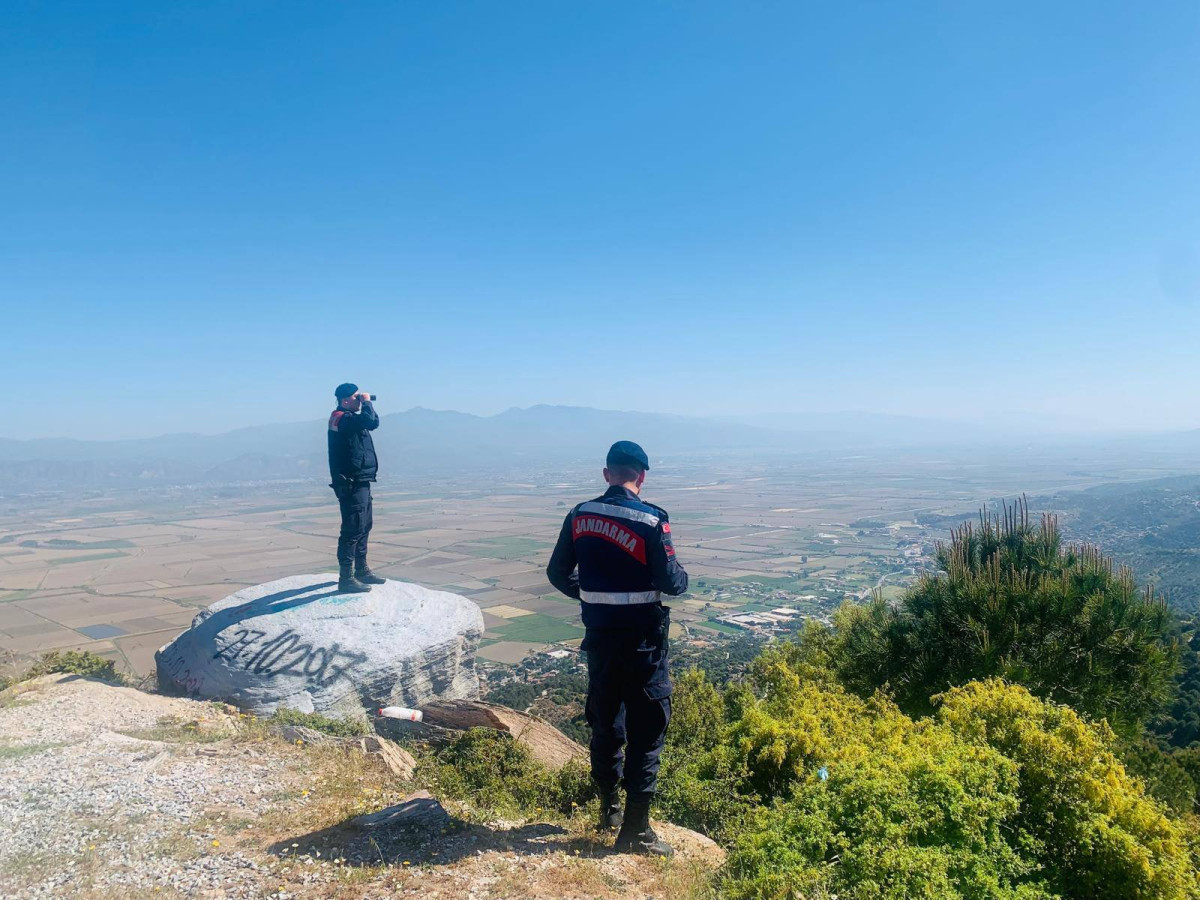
371,397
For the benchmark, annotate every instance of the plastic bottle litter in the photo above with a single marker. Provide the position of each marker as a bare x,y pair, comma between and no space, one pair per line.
402,712
823,773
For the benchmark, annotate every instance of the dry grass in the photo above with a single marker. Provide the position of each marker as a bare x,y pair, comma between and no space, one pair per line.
86,866
333,784
117,892
30,866
20,694
575,877
20,751
173,730
684,879
181,845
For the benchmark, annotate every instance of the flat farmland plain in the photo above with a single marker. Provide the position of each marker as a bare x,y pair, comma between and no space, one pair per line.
122,574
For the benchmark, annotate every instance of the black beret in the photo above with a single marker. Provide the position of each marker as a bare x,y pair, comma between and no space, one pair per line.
342,391
627,453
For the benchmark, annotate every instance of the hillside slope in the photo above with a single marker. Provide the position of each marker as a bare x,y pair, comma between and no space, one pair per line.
110,792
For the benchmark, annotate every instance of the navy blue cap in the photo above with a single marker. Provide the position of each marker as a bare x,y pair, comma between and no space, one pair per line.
342,391
627,453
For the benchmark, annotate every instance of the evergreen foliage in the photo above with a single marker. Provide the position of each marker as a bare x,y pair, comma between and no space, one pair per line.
1013,602
1179,726
1165,773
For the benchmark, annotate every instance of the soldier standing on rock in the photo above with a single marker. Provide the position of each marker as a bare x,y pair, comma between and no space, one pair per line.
353,466
622,548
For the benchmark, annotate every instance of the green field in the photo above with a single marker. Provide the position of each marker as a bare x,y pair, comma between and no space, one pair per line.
61,544
538,628
721,627
776,582
514,547
91,557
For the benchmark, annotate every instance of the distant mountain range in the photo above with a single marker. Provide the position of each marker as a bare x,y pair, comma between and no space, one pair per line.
427,440
414,440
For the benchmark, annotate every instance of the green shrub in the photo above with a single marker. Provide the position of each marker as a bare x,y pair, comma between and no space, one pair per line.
1088,825
817,792
906,809
337,727
497,775
76,662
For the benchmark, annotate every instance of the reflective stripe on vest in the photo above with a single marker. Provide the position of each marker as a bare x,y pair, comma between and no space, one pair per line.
620,512
620,598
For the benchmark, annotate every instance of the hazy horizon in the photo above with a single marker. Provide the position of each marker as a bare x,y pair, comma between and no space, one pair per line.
1026,423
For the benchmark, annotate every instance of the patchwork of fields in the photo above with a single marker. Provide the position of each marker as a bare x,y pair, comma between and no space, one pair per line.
122,575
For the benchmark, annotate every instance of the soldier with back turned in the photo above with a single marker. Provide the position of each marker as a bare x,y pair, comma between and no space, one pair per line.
615,555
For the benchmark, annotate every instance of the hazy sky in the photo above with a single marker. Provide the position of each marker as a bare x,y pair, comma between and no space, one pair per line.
212,213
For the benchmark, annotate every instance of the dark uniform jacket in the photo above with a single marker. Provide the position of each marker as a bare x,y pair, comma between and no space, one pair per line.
351,450
622,547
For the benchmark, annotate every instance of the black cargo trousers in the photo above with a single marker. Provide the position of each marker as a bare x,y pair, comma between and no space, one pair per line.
628,703
354,498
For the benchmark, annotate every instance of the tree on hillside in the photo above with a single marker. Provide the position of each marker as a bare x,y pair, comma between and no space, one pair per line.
1179,726
1013,601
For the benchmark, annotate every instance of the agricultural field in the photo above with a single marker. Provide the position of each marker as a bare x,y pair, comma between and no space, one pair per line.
766,542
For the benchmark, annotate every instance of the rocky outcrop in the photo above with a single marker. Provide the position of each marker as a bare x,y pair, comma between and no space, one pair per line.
445,720
298,643
546,743
398,760
417,811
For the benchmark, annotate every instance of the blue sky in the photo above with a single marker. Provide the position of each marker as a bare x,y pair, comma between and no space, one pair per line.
212,213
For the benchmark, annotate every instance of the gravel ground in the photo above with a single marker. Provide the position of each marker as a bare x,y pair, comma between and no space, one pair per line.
84,806
109,792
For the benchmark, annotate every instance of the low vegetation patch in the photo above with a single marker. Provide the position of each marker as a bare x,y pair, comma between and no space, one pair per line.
338,727
76,662
15,694
999,794
20,751
174,730
497,776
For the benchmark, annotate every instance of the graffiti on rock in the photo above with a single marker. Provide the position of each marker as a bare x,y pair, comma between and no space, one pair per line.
288,654
285,654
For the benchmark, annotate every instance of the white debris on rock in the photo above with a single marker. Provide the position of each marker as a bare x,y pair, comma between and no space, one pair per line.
298,643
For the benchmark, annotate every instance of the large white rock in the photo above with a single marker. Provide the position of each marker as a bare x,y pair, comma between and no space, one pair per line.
298,643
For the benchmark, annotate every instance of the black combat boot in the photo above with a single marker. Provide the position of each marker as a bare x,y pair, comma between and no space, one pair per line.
366,576
610,808
348,584
636,835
